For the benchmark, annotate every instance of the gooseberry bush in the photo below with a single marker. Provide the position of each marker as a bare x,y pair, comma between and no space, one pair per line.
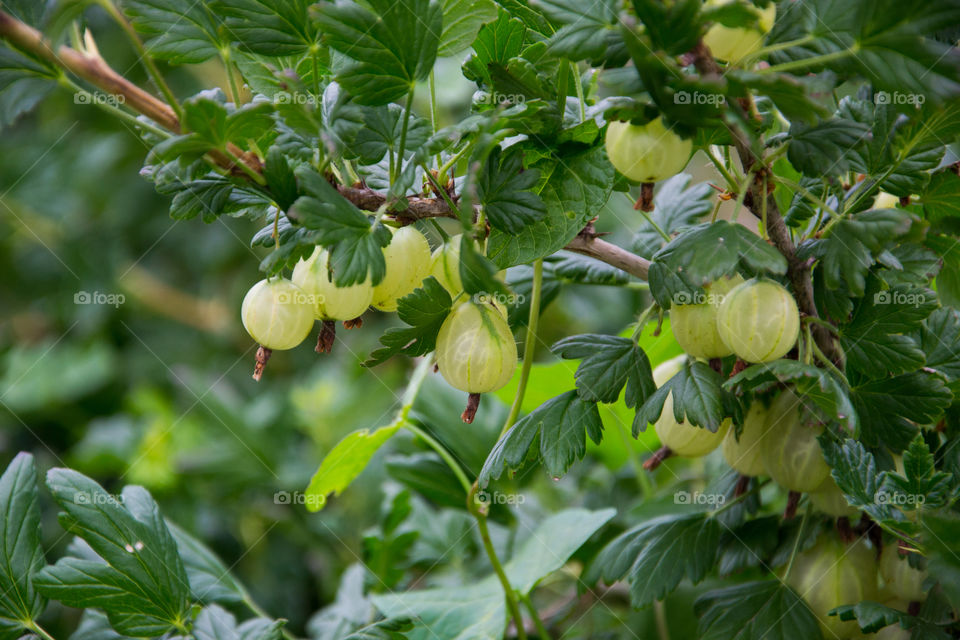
796,344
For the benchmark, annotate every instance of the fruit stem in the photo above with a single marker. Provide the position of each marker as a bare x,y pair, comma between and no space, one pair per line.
263,355
650,221
731,181
40,631
578,84
645,201
434,111
793,499
529,346
470,412
657,458
401,148
740,498
442,452
479,512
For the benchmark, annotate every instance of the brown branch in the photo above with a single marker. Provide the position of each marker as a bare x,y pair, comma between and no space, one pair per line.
798,270
588,243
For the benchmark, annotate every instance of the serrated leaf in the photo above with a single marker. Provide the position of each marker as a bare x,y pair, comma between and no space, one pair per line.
23,83
871,616
210,579
939,339
462,20
855,471
708,251
213,196
506,192
391,45
584,30
607,364
676,205
557,429
215,623
766,609
891,408
576,190
380,133
941,539
355,245
478,274
851,246
389,629
657,554
424,310
344,463
179,31
140,582
824,149
698,399
21,555
496,43
941,199
921,485
270,27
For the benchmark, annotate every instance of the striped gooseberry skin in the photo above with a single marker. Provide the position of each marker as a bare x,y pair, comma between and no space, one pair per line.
683,438
759,321
277,314
735,43
744,455
476,351
408,263
445,265
790,451
695,325
899,577
648,152
831,574
330,301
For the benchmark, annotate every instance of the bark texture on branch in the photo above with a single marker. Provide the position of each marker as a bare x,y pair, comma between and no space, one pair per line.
798,271
589,244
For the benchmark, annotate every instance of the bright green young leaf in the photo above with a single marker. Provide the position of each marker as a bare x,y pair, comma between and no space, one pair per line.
391,45
496,43
921,485
21,555
855,471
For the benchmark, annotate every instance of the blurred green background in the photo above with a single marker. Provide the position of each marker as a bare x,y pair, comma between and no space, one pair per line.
122,355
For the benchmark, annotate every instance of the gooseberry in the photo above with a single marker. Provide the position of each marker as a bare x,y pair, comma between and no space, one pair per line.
886,200
476,351
735,43
445,265
681,437
330,301
408,263
830,500
900,578
277,314
744,454
831,574
789,450
646,153
695,325
758,321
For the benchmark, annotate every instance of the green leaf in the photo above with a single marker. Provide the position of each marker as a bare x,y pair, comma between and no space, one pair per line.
575,191
871,616
881,40
478,274
210,119
787,92
179,31
389,629
270,27
210,579
140,583
877,340
607,364
462,19
708,251
380,133
850,247
392,45
673,28
855,471
941,200
212,196
697,398
344,463
941,540
891,408
657,554
586,30
939,339
766,609
556,431
824,149
424,310
506,191
94,625
355,245
23,83
496,43
215,623
478,610
676,205
813,383
921,485
21,556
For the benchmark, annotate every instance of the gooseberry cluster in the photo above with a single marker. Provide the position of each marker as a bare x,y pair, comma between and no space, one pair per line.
475,350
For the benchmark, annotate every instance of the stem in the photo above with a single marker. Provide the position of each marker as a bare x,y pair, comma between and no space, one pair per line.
37,629
434,110
314,51
646,488
576,76
231,80
825,360
447,457
509,593
541,629
740,498
145,57
111,109
529,346
796,186
243,166
780,46
731,181
660,619
646,216
403,136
